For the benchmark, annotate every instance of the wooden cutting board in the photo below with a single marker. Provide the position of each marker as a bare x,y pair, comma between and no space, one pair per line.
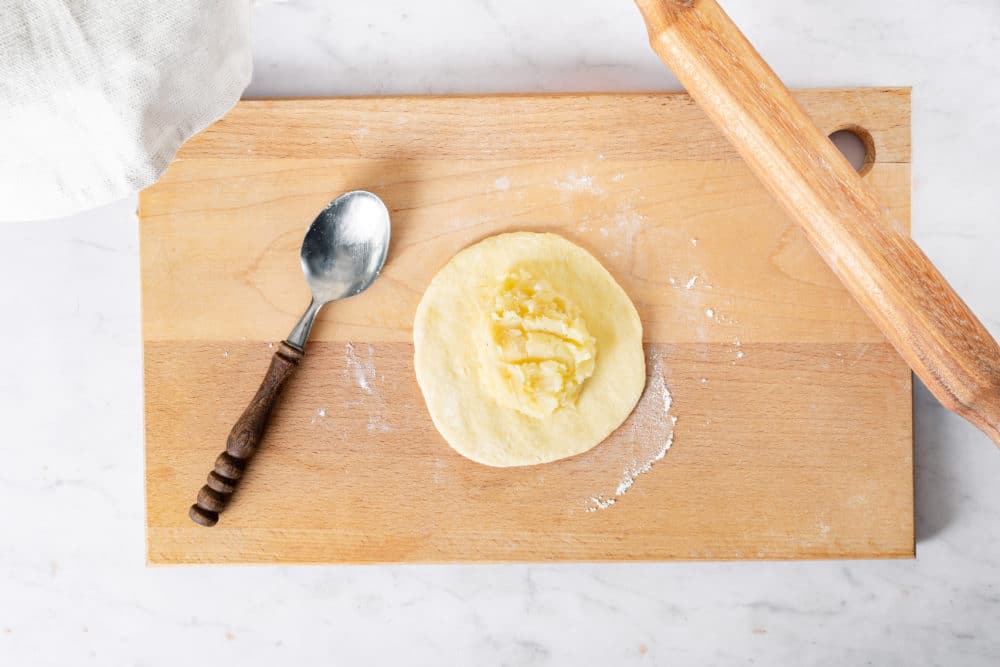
793,436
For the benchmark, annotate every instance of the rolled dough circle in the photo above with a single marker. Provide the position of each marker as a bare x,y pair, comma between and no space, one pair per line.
449,366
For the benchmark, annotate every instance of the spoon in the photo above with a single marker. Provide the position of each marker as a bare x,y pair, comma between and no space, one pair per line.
342,254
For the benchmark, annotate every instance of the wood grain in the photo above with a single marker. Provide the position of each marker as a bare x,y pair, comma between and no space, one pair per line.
842,215
793,437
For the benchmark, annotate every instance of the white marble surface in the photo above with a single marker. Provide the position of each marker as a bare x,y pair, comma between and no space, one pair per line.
73,586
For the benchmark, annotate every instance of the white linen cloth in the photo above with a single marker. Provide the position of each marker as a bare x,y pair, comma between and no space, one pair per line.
96,96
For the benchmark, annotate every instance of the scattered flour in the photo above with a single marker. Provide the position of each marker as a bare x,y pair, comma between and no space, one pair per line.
658,396
376,423
600,504
694,242
319,415
691,281
709,312
502,183
225,355
361,370
618,178
574,183
629,222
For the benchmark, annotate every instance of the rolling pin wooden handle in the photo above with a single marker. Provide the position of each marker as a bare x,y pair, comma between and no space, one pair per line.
244,439
895,283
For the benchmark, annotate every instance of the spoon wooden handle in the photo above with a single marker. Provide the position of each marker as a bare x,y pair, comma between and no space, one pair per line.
895,283
244,438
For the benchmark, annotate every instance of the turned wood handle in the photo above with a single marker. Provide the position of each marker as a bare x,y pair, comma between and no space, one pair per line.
244,439
896,284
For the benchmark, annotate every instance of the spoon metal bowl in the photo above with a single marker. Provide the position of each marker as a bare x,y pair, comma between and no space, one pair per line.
342,254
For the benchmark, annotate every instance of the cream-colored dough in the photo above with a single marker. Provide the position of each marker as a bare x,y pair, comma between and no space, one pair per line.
527,350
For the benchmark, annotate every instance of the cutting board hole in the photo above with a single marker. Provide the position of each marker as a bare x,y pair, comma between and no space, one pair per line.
857,146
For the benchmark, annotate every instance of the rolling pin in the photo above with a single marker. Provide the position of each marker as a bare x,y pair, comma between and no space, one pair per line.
896,284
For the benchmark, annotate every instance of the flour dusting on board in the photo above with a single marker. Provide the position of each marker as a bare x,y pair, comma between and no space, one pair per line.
578,183
359,134
362,371
574,183
628,221
379,424
653,432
